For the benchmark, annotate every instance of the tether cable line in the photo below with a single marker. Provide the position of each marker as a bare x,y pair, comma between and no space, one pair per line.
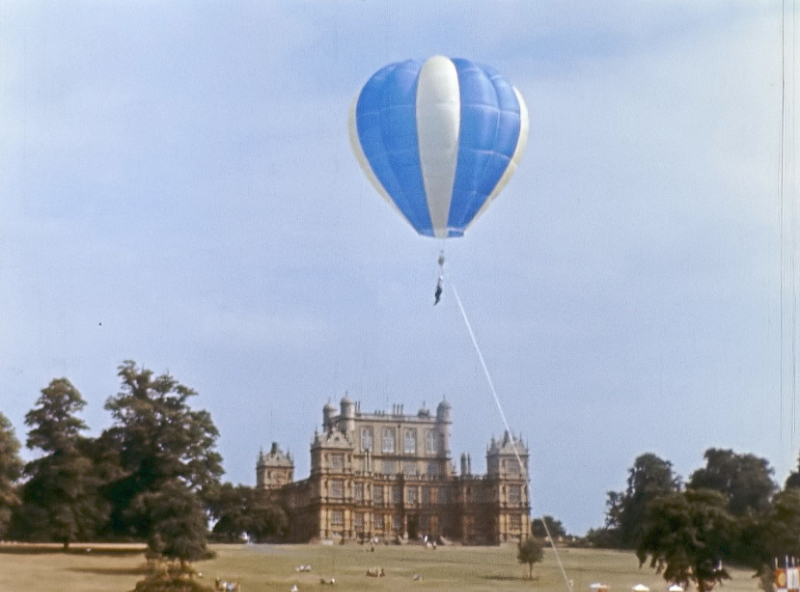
508,429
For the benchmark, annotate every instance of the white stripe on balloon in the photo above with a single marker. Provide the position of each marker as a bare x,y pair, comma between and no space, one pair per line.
438,109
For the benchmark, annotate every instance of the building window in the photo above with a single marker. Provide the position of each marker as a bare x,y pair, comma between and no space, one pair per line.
377,495
337,462
366,439
513,468
388,440
425,522
410,442
378,522
336,488
389,467
515,522
358,520
396,495
426,495
411,495
337,517
410,468
430,442
443,495
397,522
514,494
433,469
358,491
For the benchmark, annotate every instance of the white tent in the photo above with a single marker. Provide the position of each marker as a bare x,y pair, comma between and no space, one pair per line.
675,588
640,588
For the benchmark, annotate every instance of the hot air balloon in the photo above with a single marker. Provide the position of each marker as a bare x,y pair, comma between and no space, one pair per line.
439,139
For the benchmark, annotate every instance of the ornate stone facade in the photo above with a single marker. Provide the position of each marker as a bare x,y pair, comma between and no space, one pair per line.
390,476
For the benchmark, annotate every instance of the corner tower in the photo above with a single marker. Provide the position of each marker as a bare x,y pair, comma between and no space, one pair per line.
274,470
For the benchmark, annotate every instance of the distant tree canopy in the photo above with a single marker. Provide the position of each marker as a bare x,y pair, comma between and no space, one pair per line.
241,510
793,480
60,499
745,479
10,471
781,528
649,477
161,442
555,527
686,535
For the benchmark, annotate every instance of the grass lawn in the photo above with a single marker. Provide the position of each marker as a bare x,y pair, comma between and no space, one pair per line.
263,568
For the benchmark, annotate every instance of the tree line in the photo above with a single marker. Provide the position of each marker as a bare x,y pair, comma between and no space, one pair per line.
154,475
731,511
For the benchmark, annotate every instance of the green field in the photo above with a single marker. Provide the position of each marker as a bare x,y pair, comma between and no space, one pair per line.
262,568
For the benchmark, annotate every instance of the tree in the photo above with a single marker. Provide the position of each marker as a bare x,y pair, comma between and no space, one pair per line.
175,520
686,535
529,551
555,527
744,478
230,508
781,533
793,480
649,478
241,510
160,440
10,471
266,519
60,500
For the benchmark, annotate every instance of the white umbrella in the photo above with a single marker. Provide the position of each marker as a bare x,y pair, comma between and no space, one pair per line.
675,588
641,588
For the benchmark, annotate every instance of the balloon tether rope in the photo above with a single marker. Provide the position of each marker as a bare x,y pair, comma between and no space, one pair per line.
508,429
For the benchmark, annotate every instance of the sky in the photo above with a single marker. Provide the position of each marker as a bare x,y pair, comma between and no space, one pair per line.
177,188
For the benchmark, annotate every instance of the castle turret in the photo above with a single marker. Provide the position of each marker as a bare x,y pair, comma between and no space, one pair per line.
348,415
501,458
275,469
328,413
443,422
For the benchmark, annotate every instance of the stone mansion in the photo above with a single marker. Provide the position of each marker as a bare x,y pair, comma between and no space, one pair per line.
390,476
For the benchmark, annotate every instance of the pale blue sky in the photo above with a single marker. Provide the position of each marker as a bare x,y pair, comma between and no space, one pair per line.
177,188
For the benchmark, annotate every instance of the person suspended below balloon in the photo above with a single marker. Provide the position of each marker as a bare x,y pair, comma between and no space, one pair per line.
439,140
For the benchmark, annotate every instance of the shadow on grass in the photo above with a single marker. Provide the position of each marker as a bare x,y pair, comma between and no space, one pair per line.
500,578
110,571
33,549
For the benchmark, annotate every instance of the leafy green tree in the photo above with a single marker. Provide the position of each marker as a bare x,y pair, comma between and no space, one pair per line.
745,479
686,536
781,533
649,478
175,521
555,527
267,519
10,471
60,499
160,439
231,509
529,551
241,510
793,480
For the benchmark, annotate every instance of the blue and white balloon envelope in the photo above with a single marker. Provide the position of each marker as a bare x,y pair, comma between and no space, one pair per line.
439,139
